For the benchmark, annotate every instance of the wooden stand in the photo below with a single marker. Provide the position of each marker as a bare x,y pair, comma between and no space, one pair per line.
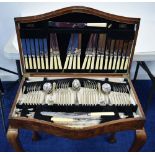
13,138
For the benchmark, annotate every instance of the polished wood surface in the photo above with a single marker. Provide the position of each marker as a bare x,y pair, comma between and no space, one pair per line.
78,9
74,133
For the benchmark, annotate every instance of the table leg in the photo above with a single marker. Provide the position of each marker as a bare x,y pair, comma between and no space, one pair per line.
136,72
12,136
35,136
112,138
150,97
2,113
139,141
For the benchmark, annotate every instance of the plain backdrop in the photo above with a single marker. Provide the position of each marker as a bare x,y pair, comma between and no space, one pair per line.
145,11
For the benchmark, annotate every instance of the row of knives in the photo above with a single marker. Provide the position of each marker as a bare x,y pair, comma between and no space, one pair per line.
101,53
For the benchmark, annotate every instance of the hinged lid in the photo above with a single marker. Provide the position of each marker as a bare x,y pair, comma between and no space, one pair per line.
76,40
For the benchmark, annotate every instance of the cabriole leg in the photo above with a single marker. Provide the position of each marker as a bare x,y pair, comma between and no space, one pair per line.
112,138
12,136
139,141
35,136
